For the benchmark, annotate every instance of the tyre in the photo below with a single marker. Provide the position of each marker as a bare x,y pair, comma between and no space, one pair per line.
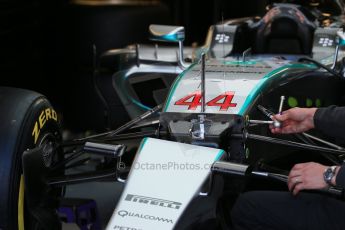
27,120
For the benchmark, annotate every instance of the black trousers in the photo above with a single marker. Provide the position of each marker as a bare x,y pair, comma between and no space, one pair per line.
281,210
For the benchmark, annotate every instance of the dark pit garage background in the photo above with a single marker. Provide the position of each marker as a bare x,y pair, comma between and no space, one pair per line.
47,45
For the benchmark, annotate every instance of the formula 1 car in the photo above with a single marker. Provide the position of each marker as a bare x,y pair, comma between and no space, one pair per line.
205,139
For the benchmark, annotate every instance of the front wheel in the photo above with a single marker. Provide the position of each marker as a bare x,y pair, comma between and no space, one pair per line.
27,120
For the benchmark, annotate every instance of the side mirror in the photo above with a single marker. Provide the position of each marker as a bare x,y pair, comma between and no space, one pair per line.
340,43
167,33
170,34
341,36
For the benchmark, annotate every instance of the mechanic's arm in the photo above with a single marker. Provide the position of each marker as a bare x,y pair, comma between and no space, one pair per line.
329,120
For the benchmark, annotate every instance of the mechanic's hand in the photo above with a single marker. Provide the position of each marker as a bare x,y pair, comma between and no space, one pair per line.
295,120
306,176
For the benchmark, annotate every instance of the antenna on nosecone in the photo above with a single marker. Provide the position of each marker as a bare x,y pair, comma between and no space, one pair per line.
197,129
203,82
223,50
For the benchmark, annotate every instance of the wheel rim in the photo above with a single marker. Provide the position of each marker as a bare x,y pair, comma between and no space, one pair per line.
21,224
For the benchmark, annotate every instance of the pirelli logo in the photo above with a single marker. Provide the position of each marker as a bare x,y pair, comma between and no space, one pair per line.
45,115
153,201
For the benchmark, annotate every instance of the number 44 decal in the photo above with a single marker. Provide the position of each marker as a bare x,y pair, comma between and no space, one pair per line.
224,101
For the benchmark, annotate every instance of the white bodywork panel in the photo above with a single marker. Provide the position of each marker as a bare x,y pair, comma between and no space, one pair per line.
229,75
164,178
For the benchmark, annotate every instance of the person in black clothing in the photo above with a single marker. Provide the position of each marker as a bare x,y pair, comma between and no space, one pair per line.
299,210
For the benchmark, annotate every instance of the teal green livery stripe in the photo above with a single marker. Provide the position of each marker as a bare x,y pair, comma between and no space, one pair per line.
176,82
139,104
143,142
219,155
134,101
253,94
257,89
